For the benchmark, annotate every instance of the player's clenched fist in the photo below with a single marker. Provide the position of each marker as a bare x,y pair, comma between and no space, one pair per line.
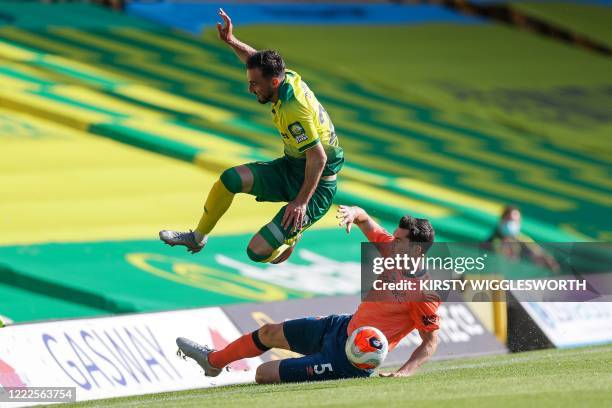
225,29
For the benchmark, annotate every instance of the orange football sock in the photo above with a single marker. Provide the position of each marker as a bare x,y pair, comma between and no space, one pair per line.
246,346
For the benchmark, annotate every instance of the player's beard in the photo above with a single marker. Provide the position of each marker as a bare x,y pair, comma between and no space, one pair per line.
263,99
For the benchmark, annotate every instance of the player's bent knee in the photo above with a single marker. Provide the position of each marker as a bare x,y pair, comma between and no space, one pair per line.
269,333
259,250
256,257
268,373
231,180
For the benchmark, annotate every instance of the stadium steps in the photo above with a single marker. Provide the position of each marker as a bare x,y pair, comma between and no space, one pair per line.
105,115
193,148
359,132
71,92
517,141
81,206
582,25
591,21
198,94
74,206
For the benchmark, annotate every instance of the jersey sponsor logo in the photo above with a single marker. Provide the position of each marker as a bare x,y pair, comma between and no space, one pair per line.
300,138
298,132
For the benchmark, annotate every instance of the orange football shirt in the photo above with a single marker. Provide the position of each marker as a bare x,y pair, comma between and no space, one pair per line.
395,319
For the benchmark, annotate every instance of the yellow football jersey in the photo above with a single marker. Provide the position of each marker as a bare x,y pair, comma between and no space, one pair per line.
303,122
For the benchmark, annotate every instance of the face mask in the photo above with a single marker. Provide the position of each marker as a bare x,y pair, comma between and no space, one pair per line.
510,228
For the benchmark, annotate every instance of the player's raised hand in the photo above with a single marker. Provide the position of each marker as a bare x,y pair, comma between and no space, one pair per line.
347,217
225,29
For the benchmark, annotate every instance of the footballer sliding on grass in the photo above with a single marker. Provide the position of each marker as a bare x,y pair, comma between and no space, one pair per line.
322,340
305,177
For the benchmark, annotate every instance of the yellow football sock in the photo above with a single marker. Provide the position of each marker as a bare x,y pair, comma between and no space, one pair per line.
218,201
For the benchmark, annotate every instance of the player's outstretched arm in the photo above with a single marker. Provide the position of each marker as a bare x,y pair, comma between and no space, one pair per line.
242,50
419,356
355,215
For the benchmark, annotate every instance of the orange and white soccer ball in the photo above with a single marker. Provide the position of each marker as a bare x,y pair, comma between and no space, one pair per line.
366,347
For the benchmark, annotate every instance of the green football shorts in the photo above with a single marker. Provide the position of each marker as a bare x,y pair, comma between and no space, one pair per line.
278,181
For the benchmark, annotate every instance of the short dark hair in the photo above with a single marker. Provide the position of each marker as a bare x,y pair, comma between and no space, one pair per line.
269,61
419,230
508,209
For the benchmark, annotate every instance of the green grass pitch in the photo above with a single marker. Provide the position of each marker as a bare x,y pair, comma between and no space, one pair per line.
580,377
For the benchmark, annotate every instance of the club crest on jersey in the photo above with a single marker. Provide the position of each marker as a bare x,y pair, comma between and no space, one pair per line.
298,132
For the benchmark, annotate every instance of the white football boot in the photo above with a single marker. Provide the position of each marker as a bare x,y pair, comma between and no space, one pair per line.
186,239
199,353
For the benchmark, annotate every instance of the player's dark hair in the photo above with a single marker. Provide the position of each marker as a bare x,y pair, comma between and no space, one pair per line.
419,230
269,61
508,209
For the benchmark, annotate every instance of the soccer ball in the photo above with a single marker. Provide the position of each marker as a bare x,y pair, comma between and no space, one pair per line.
366,347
